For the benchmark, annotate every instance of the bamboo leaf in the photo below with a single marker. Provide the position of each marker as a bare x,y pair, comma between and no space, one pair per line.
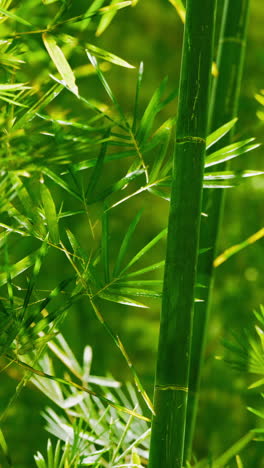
178,5
119,185
134,291
145,249
94,178
234,176
150,113
105,246
18,268
142,271
119,299
108,56
36,269
10,15
103,81
50,214
125,244
219,133
58,58
74,384
236,248
108,17
139,83
13,87
60,182
230,152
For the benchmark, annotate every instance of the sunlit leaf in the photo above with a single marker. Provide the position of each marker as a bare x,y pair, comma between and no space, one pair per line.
50,214
178,5
14,17
115,297
18,268
125,244
60,62
108,56
231,151
219,133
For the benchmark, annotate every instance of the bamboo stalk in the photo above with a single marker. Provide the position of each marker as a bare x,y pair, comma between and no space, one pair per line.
224,104
171,385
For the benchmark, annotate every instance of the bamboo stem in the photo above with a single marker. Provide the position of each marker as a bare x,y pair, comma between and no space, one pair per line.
171,385
224,104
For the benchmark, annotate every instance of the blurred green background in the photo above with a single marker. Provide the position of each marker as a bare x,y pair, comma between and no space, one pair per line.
152,32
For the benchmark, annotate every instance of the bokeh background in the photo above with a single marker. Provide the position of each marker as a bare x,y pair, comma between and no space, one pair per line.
152,32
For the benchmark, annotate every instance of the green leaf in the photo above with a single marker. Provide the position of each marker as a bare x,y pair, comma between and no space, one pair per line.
114,297
156,169
139,83
13,87
94,178
73,384
142,271
59,181
87,164
105,246
234,177
18,268
178,5
119,185
125,244
108,17
150,113
230,152
37,266
145,249
60,62
50,214
14,17
134,291
219,133
105,55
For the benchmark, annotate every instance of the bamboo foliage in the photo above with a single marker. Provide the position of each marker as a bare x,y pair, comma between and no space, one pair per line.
171,385
223,108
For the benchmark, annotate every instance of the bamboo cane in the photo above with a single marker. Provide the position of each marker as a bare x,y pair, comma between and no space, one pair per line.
171,385
223,108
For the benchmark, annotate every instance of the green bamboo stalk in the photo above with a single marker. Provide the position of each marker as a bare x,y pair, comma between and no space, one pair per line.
171,384
224,104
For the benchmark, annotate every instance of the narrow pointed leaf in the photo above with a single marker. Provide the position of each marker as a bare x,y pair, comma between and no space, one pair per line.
219,133
50,214
18,268
119,299
125,244
230,152
139,83
60,182
108,56
14,17
107,18
178,5
60,62
79,387
145,249
150,113
105,246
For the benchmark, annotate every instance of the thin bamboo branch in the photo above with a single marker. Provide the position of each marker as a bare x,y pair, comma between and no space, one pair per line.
171,385
224,104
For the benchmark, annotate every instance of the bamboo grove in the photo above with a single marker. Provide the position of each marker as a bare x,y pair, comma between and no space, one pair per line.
109,219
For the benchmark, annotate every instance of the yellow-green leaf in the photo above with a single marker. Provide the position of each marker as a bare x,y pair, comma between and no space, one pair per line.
180,9
60,62
50,214
110,12
103,54
14,17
